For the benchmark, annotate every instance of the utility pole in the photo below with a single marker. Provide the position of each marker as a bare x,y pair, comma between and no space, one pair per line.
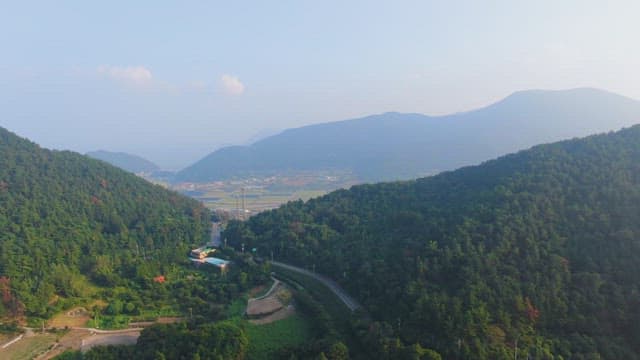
237,205
243,205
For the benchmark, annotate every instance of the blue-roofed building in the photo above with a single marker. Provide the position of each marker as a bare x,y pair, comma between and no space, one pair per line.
219,263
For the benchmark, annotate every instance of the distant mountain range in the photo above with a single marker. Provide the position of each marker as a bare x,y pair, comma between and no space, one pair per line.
401,146
129,162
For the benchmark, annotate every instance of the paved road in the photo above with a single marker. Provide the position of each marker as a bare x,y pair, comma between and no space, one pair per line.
99,331
93,330
216,239
350,302
129,338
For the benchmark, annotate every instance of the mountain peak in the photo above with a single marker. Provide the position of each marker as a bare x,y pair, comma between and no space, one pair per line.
580,93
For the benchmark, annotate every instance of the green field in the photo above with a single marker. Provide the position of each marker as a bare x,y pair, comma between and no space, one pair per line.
265,340
340,314
336,308
255,200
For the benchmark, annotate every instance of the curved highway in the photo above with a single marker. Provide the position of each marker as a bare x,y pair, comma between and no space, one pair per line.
350,302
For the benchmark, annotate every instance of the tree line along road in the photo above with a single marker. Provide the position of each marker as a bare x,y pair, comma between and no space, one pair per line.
350,302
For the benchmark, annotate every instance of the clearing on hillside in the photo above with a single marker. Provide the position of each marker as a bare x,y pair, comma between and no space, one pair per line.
29,347
274,305
76,317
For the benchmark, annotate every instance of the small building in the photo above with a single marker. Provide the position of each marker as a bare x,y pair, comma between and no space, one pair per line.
201,252
219,263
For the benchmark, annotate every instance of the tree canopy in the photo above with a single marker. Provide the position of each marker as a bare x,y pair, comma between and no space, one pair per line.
534,253
67,221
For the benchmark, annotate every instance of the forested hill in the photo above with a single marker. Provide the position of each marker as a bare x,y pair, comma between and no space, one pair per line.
540,249
396,146
129,162
67,221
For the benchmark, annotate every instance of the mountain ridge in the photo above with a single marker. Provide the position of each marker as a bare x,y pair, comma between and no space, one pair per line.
129,162
394,145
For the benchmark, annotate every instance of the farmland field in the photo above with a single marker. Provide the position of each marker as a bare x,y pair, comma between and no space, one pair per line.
265,340
255,200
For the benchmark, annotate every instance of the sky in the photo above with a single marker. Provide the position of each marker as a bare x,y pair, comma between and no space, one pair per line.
173,81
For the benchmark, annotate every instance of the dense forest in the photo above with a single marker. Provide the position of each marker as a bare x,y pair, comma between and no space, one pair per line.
532,255
69,224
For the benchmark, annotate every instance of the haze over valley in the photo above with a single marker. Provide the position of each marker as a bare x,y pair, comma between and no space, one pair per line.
320,180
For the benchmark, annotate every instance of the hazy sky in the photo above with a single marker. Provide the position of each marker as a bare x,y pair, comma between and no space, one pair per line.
172,81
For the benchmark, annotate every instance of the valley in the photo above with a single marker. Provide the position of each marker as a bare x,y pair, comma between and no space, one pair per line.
255,194
320,180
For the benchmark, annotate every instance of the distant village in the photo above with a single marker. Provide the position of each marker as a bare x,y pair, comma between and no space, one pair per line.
242,198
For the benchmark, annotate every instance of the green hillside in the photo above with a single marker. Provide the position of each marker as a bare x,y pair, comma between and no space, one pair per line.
536,253
68,222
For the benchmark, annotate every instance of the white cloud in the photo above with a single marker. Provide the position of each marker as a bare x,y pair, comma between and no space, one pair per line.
232,85
138,75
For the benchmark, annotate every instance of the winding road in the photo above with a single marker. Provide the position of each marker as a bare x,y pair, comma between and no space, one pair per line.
350,302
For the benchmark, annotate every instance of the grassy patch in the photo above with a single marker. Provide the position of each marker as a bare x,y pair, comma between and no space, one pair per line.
336,308
29,347
265,340
152,315
110,322
236,308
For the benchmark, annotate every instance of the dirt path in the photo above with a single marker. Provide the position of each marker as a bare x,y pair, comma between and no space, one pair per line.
276,282
283,313
79,338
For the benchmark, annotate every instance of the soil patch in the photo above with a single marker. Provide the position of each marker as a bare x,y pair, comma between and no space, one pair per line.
76,317
275,305
276,300
109,339
257,290
283,313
